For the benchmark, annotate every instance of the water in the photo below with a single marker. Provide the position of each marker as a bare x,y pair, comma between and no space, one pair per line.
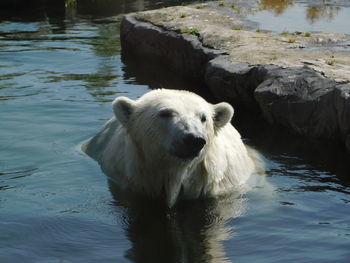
59,72
302,16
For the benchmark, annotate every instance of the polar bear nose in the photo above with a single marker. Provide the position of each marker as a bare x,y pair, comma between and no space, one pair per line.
194,143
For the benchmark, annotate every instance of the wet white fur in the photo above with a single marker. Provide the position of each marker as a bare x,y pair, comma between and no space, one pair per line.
134,147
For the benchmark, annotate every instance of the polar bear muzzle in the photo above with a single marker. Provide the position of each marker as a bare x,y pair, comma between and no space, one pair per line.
190,146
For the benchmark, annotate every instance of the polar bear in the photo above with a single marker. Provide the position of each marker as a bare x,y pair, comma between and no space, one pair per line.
172,144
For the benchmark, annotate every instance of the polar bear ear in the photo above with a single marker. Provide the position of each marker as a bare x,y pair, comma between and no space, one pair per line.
223,113
123,107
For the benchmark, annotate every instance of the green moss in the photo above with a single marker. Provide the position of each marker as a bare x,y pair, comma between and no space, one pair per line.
183,15
284,33
237,28
70,3
258,30
222,3
192,31
307,34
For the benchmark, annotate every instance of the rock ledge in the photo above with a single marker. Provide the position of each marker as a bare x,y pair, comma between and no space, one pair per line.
296,81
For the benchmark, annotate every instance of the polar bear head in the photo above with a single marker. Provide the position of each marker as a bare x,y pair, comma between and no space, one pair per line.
172,123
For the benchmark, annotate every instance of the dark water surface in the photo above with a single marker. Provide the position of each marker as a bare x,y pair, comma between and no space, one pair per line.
59,70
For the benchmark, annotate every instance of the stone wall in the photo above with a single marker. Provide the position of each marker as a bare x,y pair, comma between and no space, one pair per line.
293,91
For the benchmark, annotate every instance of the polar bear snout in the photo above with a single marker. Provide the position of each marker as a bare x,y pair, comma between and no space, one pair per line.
194,142
190,146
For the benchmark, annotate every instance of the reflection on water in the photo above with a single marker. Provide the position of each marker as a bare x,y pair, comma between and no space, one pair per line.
192,232
81,55
309,16
316,13
59,70
277,6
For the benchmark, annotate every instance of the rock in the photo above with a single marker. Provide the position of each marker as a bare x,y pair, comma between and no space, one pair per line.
342,106
306,102
235,82
300,99
347,143
302,89
183,53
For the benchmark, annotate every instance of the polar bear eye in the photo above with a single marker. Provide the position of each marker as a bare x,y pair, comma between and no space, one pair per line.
166,114
203,118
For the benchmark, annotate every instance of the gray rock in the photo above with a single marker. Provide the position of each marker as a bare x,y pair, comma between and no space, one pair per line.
235,82
306,102
347,143
342,106
301,99
183,53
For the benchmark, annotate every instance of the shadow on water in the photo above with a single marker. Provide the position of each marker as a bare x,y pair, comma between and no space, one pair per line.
103,8
297,152
193,231
156,74
55,10
51,11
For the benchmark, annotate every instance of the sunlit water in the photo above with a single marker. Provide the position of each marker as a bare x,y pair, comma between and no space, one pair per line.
302,16
59,74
